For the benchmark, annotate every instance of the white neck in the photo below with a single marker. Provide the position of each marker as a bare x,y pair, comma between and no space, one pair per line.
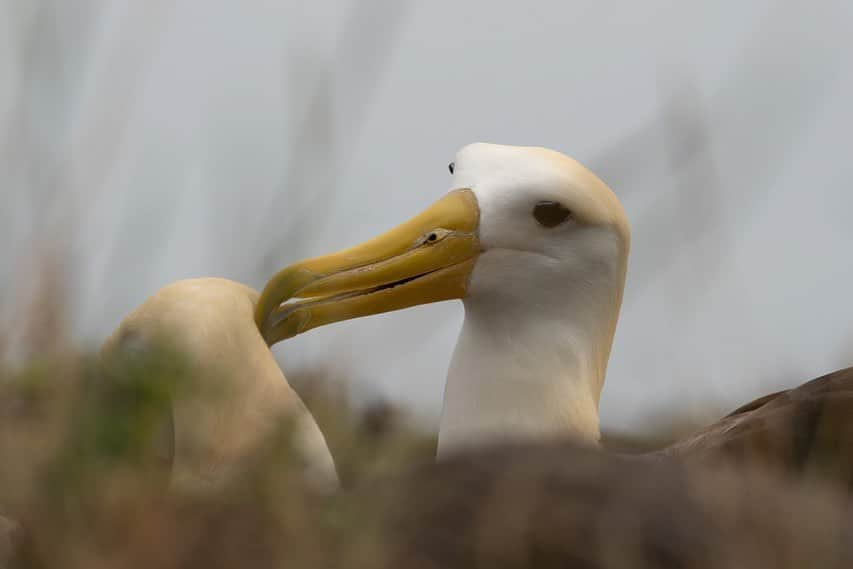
531,366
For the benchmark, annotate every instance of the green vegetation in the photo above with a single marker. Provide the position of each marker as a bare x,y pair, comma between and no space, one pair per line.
86,446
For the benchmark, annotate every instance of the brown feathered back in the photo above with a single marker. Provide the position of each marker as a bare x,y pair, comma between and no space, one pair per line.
807,430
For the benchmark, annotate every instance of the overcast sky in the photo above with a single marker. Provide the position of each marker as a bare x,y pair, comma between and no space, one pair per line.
168,139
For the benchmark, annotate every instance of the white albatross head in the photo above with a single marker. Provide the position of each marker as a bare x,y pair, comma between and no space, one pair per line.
535,245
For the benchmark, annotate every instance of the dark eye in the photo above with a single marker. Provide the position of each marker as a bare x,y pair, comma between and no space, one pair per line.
451,167
550,214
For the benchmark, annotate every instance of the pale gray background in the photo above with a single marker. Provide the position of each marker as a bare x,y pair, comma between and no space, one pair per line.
149,141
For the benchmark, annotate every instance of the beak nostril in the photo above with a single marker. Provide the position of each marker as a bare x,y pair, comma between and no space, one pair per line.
432,237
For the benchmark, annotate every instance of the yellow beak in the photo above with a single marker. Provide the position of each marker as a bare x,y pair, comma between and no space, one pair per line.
426,259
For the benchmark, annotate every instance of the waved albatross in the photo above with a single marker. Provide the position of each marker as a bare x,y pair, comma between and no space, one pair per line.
536,246
238,395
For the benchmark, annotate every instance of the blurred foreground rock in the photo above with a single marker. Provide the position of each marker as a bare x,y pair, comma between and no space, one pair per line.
560,506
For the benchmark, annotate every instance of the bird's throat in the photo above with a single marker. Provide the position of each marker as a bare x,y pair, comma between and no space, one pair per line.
514,377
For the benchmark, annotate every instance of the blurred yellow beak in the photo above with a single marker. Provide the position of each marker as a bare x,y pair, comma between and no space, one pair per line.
427,259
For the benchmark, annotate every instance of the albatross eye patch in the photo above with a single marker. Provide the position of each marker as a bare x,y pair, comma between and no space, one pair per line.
550,214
